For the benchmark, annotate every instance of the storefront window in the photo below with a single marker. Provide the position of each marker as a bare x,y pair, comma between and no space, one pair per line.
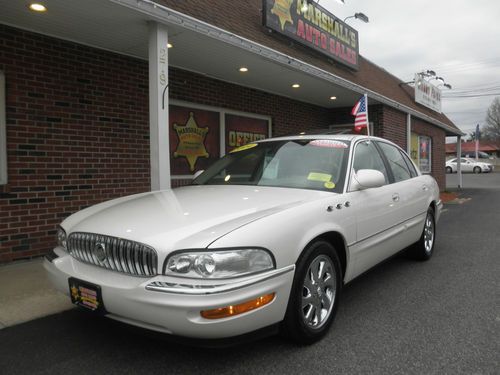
420,153
199,135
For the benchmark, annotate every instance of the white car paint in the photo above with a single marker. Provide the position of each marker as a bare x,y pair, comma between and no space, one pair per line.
373,224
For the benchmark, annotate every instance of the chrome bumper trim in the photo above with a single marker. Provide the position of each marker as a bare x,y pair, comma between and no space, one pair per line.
197,289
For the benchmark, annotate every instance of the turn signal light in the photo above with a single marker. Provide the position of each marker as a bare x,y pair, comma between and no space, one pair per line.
225,312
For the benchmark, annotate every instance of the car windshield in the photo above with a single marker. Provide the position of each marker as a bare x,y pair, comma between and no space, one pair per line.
317,164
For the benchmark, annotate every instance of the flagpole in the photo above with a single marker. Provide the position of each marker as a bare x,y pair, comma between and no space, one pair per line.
477,140
367,119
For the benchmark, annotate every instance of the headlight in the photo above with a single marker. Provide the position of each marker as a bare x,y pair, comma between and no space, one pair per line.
219,264
61,237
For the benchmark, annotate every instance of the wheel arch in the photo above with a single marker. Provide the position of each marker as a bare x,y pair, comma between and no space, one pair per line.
337,240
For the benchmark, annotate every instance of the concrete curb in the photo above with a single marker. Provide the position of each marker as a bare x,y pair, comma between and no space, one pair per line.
26,293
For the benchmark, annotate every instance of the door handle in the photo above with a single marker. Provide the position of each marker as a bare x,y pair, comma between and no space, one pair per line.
395,197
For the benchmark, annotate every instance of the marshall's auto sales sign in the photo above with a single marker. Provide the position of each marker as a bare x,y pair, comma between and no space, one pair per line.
315,27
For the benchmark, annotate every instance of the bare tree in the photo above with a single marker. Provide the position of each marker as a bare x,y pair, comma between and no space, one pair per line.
491,130
472,135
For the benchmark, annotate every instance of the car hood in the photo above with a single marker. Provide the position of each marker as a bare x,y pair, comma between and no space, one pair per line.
187,217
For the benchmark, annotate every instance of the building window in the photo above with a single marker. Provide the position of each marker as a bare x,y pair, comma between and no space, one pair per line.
200,134
421,153
3,132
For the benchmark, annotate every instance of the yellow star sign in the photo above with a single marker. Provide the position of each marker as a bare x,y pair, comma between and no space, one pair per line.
191,141
74,292
281,9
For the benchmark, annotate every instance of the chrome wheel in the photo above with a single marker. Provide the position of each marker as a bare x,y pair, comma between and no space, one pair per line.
318,292
429,233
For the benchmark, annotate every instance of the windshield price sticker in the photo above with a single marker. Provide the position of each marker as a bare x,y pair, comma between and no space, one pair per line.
245,147
323,177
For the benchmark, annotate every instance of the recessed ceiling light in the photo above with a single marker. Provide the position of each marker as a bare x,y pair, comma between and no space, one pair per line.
169,45
333,98
295,85
243,69
37,7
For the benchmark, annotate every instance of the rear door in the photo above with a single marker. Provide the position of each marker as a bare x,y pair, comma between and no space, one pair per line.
412,190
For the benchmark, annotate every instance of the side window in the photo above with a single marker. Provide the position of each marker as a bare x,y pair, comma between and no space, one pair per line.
366,156
409,164
396,162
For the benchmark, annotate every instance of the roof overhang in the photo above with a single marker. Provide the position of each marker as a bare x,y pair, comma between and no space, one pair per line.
121,26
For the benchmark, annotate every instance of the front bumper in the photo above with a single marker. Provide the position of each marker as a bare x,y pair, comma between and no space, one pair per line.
160,304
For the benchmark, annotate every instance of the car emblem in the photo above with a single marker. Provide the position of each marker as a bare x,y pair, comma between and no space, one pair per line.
100,252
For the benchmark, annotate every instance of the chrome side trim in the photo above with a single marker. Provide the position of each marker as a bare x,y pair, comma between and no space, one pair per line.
409,223
198,289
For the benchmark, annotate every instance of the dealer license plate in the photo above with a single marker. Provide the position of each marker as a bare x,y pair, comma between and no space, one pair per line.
86,295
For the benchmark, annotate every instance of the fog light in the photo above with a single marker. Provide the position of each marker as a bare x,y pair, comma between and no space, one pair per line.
225,312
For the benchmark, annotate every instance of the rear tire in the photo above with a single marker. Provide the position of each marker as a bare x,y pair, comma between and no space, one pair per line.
315,293
424,248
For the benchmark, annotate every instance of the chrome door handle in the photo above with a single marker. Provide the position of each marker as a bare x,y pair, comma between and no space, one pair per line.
395,197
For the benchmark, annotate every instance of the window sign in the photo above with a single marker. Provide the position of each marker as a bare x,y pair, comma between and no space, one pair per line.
424,154
241,130
420,152
200,135
194,139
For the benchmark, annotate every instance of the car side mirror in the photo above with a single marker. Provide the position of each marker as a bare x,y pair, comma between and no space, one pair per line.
197,173
367,178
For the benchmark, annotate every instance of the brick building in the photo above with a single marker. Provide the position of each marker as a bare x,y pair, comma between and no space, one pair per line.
81,122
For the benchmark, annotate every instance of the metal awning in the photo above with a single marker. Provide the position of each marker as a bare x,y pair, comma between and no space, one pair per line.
121,27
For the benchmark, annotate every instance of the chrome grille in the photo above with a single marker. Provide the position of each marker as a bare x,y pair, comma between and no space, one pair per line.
113,253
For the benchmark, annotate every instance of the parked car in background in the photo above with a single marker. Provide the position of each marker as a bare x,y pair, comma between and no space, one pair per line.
468,165
480,155
265,238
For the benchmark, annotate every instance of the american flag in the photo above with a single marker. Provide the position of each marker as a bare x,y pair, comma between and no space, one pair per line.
361,113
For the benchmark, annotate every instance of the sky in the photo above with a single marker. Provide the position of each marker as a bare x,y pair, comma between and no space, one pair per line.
458,39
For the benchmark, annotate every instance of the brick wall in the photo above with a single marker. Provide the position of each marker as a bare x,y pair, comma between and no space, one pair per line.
78,134
392,125
288,116
438,156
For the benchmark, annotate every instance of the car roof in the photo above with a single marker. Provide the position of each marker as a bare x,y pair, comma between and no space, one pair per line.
338,137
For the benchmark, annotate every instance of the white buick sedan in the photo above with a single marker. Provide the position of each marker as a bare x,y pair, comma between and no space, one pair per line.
264,239
468,165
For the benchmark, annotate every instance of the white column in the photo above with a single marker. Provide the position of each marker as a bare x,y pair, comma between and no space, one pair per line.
158,107
408,134
459,158
3,132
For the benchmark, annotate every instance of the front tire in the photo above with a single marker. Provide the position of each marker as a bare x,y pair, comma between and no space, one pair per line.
449,170
424,248
477,170
315,294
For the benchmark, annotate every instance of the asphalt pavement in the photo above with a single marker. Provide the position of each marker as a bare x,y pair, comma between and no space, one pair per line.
403,317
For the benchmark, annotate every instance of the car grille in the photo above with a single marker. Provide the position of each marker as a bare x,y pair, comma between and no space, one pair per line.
113,253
